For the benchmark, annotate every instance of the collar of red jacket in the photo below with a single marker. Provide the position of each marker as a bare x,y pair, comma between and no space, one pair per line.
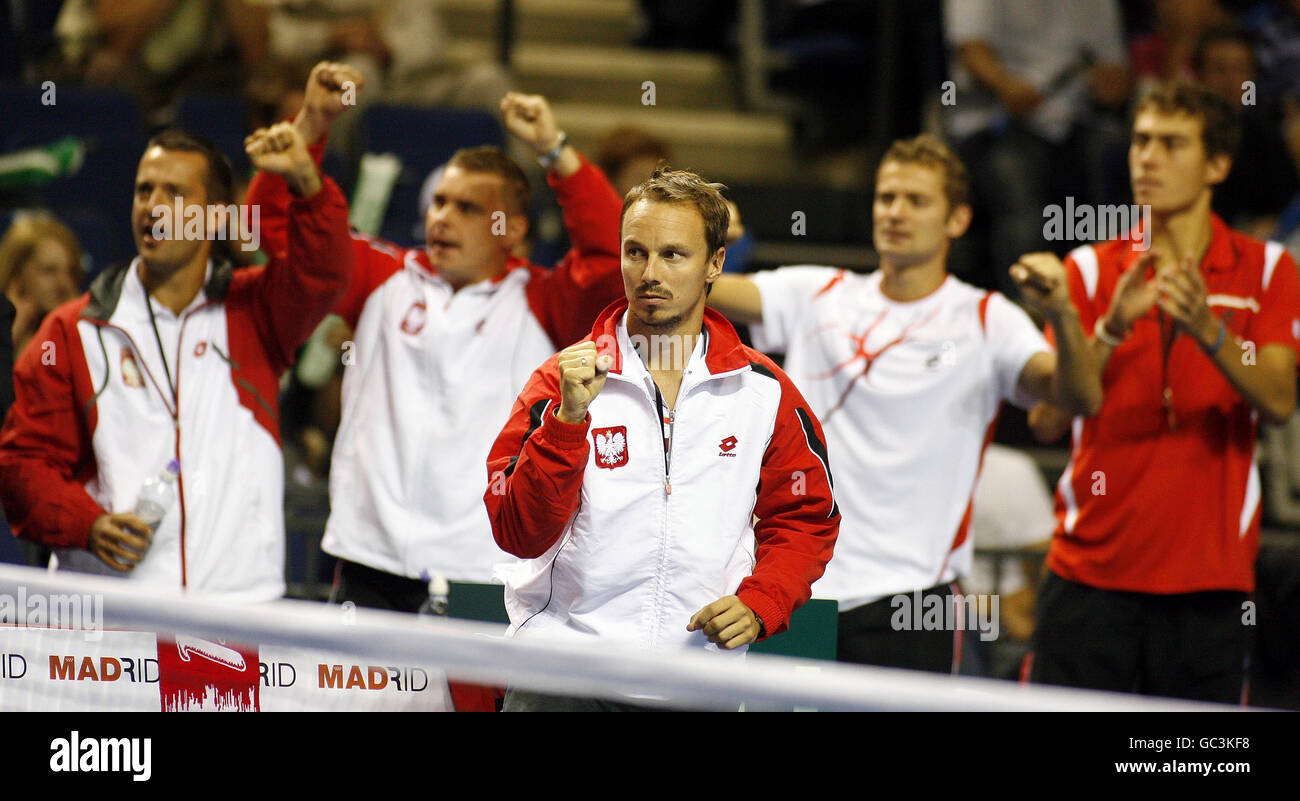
1220,257
106,290
725,350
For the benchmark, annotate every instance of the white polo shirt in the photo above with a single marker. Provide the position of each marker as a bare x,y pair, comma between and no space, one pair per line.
907,394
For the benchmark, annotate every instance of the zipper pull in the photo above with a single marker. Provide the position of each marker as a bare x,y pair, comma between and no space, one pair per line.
668,487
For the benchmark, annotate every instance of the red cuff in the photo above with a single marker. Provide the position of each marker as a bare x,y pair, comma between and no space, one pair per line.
565,434
774,622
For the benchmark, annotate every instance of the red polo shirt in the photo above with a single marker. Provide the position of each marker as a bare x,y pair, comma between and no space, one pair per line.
1163,497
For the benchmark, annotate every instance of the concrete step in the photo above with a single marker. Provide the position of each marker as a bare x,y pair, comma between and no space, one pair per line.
606,22
721,145
616,75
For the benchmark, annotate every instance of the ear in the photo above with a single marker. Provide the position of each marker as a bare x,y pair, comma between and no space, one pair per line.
516,230
958,221
1217,168
715,265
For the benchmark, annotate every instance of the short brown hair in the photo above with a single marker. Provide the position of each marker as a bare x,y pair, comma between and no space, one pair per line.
219,183
20,241
628,142
930,151
1220,127
490,160
667,185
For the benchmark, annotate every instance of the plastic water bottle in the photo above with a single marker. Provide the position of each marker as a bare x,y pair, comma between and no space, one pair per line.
157,496
436,604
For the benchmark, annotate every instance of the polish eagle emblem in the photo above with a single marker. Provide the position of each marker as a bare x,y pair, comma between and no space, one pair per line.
611,446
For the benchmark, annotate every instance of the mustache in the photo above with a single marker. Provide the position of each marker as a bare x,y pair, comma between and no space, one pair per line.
650,292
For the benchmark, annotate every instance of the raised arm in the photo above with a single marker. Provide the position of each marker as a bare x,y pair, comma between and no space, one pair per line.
295,291
1069,378
567,299
738,298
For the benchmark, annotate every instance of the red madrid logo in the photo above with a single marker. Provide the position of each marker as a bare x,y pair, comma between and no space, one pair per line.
611,446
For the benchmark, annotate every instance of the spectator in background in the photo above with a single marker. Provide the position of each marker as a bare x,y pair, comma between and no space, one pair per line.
40,270
1024,74
1276,27
1168,52
629,154
155,47
400,48
1261,185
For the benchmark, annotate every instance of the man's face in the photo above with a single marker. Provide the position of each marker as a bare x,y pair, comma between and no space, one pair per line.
1167,161
164,176
1227,65
910,215
49,278
666,262
458,228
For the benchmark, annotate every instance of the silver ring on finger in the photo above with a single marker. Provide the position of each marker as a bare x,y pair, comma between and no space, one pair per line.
584,362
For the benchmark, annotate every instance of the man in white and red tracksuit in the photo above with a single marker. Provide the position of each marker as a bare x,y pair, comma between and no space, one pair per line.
175,356
445,337
635,461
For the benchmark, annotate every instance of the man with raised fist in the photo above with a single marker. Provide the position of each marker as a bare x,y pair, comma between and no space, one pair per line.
176,357
446,336
635,461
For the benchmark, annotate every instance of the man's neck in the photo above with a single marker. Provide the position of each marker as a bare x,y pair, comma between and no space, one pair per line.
913,281
1184,234
175,290
667,349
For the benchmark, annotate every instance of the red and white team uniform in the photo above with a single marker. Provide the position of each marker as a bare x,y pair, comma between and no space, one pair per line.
625,535
908,394
432,376
95,417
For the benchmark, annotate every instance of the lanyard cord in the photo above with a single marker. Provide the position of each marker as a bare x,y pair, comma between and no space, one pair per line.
161,351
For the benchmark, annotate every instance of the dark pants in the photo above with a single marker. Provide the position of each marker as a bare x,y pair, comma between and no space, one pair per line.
868,636
1191,645
375,589
524,701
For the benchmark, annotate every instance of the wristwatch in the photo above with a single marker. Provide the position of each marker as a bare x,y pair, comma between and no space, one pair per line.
548,159
762,629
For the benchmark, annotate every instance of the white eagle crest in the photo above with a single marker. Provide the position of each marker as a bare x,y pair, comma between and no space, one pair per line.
611,446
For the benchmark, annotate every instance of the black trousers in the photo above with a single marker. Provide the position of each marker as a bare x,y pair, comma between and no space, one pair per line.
868,635
376,589
1191,645
526,701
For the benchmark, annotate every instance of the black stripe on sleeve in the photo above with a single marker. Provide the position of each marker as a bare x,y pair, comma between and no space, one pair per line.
819,450
534,422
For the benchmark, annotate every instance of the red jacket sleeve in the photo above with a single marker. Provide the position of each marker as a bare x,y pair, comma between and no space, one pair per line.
535,469
567,300
373,259
297,289
45,450
798,519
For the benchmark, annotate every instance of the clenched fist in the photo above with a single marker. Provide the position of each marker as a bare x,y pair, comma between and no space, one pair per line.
331,90
582,375
1042,282
530,118
280,149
